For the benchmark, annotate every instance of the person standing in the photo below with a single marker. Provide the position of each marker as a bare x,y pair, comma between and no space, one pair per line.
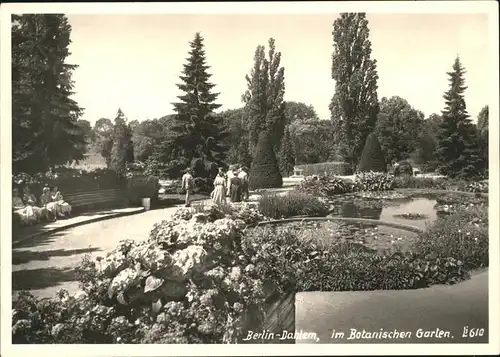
219,193
235,187
229,176
243,176
187,184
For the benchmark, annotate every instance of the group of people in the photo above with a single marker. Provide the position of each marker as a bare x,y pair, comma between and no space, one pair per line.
49,207
232,184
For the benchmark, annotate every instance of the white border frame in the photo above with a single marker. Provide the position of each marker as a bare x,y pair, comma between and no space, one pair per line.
310,7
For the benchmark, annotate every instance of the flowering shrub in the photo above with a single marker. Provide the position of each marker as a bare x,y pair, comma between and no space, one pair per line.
481,186
291,204
420,182
373,181
187,283
247,212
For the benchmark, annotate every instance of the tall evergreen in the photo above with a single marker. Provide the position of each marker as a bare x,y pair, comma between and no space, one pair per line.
45,129
354,106
458,151
197,133
286,157
263,99
265,172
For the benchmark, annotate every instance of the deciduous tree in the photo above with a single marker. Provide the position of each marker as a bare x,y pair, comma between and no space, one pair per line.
354,106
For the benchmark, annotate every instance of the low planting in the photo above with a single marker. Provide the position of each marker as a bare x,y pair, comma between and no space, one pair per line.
291,204
300,264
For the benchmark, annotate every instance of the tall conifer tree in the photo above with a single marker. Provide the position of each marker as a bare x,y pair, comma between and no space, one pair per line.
197,132
458,151
45,131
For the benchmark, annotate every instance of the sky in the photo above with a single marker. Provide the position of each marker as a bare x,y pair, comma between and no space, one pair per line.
133,62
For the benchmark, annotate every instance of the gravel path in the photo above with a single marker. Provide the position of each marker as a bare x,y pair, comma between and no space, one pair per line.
46,264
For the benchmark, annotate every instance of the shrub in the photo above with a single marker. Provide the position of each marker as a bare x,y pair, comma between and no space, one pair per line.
420,182
373,181
372,157
70,180
403,169
264,172
462,236
245,211
326,186
140,186
292,204
331,168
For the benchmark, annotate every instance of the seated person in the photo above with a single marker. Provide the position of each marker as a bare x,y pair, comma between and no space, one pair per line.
62,208
30,200
46,202
25,213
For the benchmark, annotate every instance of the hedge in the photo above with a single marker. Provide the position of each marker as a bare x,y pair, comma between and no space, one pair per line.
331,168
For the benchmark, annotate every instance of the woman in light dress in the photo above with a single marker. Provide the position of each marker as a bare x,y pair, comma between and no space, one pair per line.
62,208
30,200
219,193
25,212
46,201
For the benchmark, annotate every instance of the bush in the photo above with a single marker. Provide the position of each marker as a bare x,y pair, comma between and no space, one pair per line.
372,157
245,211
462,236
403,169
420,182
373,181
140,186
326,186
292,204
331,168
264,172
70,180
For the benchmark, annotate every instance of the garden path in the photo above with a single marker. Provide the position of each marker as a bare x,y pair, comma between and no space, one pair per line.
45,264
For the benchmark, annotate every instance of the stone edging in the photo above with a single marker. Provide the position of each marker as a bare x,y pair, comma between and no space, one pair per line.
342,219
76,224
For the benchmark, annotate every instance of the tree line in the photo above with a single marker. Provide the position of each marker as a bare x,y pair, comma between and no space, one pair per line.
48,129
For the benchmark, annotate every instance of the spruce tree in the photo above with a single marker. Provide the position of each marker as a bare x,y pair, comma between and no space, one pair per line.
198,133
458,151
372,157
354,106
45,129
286,156
265,172
264,103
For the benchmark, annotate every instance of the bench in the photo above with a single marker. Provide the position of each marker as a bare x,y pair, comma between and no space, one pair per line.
297,171
96,199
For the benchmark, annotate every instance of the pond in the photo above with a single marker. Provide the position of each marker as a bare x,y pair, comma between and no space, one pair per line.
418,212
